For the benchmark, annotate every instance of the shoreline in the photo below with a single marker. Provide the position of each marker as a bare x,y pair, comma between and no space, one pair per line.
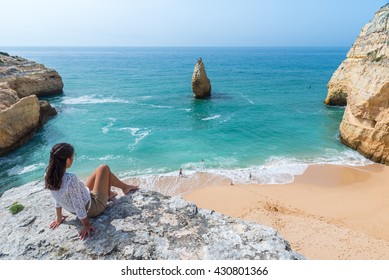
330,212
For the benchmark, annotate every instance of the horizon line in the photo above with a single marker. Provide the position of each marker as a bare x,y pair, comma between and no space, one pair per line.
129,46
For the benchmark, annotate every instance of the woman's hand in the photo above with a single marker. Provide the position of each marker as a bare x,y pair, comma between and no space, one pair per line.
59,221
86,229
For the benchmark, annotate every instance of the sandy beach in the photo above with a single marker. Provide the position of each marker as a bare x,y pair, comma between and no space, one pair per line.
329,213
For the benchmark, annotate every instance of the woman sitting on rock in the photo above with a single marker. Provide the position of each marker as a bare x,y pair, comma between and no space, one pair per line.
70,193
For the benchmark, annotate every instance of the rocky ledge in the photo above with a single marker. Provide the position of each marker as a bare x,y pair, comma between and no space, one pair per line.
142,225
21,113
362,82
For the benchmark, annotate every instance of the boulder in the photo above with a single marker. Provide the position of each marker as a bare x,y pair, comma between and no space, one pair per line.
201,86
362,82
142,225
46,112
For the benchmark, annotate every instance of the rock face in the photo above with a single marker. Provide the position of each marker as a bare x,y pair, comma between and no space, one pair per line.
362,82
21,81
201,86
18,123
142,225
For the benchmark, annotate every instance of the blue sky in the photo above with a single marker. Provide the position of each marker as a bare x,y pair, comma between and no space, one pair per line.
184,23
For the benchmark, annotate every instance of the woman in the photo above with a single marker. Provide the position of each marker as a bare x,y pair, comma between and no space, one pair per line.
70,193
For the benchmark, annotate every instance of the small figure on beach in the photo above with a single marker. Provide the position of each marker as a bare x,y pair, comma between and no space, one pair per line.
85,200
232,183
180,173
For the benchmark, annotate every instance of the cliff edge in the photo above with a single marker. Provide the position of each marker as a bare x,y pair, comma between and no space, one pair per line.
362,82
142,225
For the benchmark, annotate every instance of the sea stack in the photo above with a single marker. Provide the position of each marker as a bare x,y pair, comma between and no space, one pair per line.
21,113
201,85
362,82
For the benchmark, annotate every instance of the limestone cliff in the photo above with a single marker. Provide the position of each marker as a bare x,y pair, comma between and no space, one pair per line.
362,82
142,225
18,123
28,77
21,81
201,86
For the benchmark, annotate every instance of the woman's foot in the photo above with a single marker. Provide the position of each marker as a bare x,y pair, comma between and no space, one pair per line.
130,188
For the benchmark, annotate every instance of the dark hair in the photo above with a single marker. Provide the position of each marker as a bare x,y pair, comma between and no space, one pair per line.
57,165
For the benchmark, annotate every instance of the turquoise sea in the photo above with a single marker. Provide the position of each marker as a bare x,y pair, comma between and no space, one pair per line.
133,109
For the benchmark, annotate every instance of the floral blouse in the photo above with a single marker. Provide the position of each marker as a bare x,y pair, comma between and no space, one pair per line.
72,196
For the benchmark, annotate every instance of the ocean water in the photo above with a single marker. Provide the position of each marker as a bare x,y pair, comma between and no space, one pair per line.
133,109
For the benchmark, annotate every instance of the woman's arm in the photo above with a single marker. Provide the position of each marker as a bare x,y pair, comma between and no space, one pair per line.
59,220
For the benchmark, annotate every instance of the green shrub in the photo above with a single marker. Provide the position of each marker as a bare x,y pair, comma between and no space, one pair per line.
16,207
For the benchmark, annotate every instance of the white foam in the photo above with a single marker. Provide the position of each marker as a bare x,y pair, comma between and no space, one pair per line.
144,173
348,157
196,174
161,106
101,158
194,166
106,128
211,118
109,157
18,170
138,133
282,170
274,171
248,99
91,99
146,97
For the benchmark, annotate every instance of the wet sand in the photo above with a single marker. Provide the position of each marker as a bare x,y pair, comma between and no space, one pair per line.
328,213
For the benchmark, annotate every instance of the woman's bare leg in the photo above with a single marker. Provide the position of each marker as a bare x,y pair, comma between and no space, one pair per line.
90,182
115,182
101,179
103,175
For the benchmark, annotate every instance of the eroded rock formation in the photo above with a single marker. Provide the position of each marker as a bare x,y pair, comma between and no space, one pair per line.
18,122
201,85
143,225
362,82
21,81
